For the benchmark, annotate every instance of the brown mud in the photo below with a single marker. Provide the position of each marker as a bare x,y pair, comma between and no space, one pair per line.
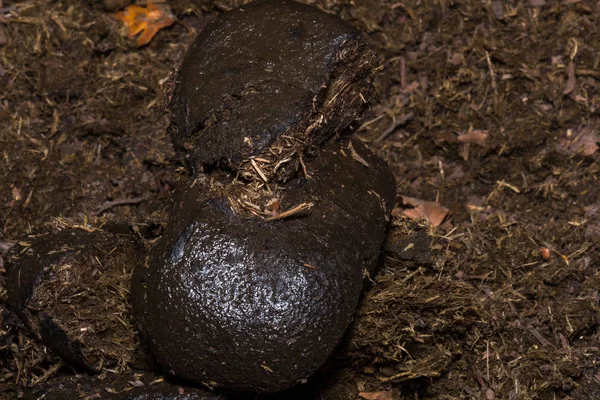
489,108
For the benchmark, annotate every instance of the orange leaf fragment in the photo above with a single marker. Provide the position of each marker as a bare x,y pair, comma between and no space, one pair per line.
430,210
145,21
387,395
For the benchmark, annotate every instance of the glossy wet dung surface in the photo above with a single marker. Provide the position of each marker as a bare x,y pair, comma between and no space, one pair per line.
268,300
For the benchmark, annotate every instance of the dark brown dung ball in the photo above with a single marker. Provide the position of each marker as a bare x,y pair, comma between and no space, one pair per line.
71,287
272,70
260,268
258,304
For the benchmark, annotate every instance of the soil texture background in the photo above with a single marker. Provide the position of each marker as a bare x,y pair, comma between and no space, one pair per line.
486,110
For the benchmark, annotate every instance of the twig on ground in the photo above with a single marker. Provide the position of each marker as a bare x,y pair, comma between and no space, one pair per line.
119,202
290,212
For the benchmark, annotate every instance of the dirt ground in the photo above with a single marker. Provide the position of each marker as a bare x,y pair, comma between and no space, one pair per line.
490,109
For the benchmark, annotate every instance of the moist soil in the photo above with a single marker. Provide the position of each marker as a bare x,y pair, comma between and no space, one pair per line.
490,109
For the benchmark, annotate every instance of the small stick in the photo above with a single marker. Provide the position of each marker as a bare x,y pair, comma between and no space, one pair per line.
491,68
262,175
291,211
304,167
508,185
356,156
337,94
119,202
402,72
402,120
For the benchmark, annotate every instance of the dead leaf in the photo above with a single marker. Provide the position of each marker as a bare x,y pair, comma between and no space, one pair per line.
145,21
557,60
537,3
589,143
386,395
430,210
137,383
474,136
497,9
585,141
16,193
5,246
570,78
357,156
457,59
3,38
273,205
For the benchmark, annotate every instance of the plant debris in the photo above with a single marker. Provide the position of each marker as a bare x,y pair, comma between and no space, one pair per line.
145,21
584,141
386,395
422,209
474,136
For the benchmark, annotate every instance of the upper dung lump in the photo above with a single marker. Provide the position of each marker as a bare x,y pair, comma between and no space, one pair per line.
264,70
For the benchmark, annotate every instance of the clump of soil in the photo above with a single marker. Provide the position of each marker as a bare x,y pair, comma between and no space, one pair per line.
70,286
126,386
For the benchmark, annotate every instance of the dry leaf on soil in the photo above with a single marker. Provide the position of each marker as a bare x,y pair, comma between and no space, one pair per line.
537,3
145,21
585,141
387,395
430,210
475,136
571,80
